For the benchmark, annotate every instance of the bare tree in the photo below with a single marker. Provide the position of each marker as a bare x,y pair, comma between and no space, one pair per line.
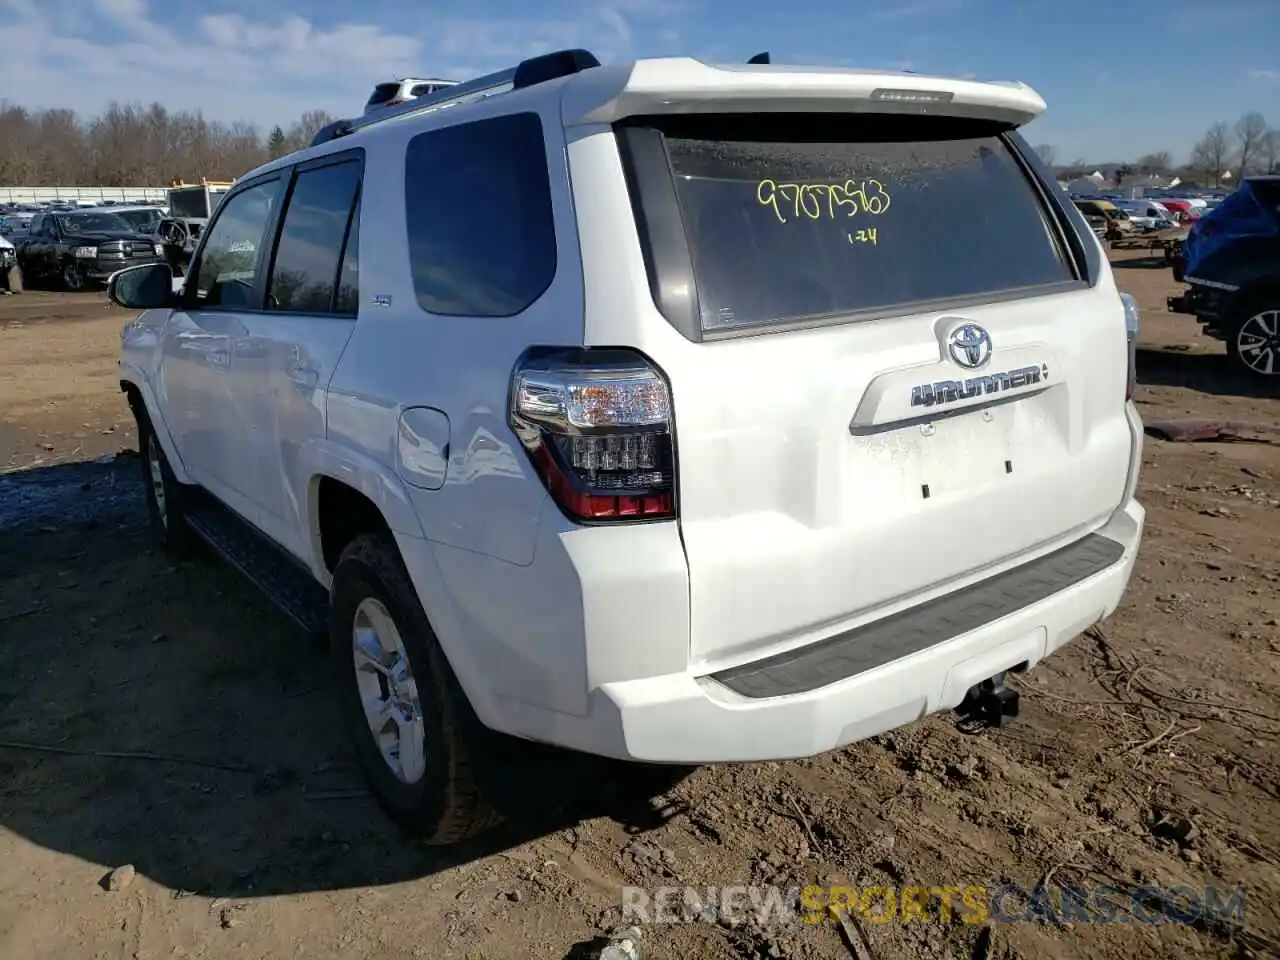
308,125
1250,131
1212,152
135,145
1156,164
1269,152
1048,153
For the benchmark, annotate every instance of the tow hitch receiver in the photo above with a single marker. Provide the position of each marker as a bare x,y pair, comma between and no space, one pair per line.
989,702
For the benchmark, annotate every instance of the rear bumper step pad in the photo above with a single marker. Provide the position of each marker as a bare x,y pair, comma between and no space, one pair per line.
883,641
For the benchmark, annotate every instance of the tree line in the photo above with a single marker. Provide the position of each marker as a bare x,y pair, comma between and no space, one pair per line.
1249,146
131,145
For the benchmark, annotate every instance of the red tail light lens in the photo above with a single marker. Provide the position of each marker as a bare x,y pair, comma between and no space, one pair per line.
597,426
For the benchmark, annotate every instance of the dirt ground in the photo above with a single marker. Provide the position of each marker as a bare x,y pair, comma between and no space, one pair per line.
201,746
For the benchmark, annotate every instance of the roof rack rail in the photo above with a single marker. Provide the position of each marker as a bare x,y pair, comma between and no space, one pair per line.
527,73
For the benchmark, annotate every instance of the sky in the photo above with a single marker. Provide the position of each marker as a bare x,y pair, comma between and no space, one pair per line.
1121,78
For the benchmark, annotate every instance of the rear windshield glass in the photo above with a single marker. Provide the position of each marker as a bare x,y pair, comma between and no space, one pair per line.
896,214
382,93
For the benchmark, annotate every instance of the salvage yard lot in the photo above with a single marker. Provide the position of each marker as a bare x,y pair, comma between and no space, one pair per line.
201,746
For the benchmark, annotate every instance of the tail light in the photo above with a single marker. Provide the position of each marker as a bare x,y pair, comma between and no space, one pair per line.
1131,326
597,426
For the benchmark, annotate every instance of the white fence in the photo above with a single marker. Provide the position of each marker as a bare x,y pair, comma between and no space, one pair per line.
38,194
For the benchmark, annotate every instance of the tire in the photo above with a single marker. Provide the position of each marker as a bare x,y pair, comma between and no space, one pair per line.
72,279
167,499
434,795
1252,334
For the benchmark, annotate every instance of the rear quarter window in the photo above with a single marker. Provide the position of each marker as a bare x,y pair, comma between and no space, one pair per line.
481,233
796,219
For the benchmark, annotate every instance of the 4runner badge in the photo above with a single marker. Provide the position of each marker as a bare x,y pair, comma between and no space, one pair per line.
943,392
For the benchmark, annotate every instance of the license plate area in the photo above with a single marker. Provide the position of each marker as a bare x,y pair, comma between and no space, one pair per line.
965,452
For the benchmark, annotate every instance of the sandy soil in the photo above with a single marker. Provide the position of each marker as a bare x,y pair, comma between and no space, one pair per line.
204,750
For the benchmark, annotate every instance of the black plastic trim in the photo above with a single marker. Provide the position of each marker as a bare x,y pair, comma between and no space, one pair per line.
918,628
1071,222
660,226
551,66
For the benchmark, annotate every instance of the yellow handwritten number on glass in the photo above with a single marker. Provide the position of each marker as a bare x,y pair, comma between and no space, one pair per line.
767,195
805,200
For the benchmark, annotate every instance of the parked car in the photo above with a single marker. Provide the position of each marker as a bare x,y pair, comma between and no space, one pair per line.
1119,225
1099,224
1147,215
1183,210
395,92
10,272
595,413
82,247
1231,264
14,226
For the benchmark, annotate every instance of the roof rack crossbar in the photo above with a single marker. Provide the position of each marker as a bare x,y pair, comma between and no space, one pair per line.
526,73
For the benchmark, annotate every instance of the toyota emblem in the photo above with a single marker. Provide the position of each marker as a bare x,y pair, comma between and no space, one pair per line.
969,345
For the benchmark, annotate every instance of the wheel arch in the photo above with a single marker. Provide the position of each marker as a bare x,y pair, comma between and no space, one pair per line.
375,496
142,401
327,464
1251,294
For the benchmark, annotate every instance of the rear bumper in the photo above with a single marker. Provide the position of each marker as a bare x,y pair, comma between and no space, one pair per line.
688,719
1207,302
587,647
685,717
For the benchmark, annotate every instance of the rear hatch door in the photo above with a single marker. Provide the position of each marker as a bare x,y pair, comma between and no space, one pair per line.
894,376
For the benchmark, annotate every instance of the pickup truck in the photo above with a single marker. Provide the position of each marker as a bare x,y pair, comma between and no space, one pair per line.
78,248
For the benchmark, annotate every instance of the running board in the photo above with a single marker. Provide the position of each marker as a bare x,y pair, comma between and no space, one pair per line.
285,582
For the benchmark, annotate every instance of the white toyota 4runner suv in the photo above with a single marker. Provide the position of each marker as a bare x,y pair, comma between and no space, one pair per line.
666,411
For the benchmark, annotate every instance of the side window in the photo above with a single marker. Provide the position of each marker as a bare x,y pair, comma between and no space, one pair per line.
36,227
481,235
347,301
232,256
304,275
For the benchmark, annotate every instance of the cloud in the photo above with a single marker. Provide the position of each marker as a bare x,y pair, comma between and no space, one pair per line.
234,65
129,14
1267,76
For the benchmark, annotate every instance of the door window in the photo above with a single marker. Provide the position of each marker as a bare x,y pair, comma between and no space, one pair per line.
229,265
305,274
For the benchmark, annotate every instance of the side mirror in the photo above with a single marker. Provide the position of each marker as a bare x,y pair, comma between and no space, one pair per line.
145,287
